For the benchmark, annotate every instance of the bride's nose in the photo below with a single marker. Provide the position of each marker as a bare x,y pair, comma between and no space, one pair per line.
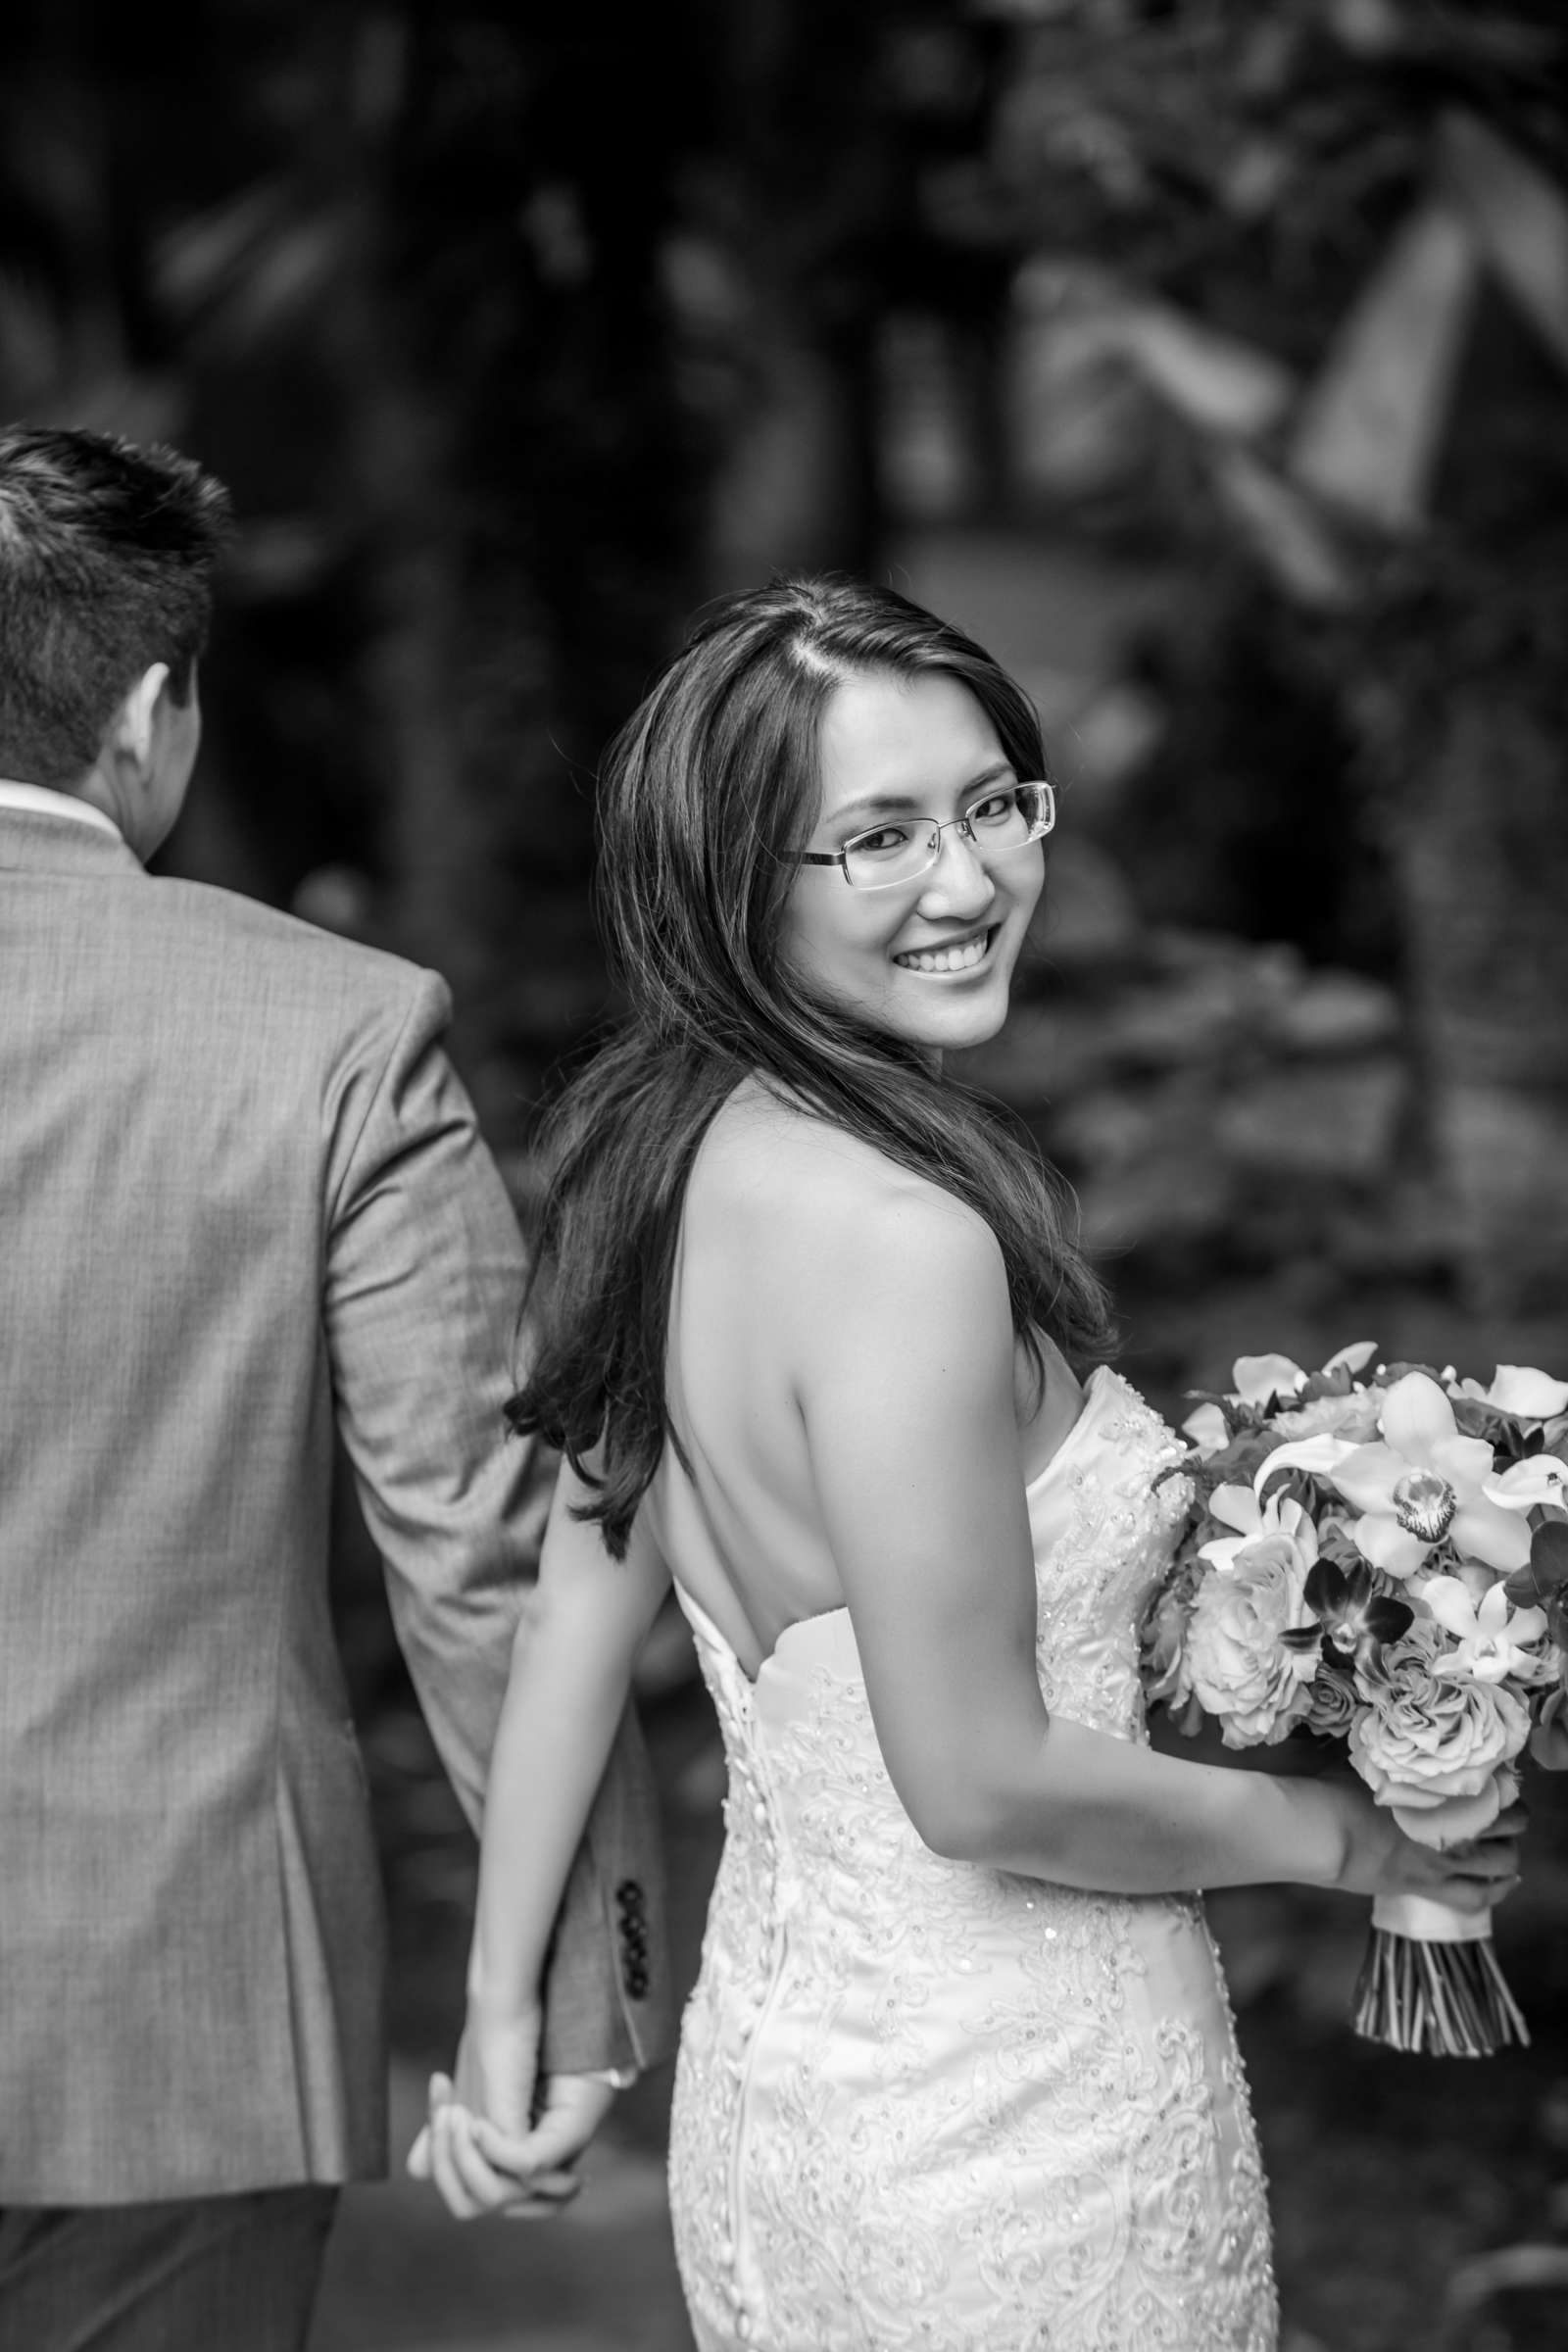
959,884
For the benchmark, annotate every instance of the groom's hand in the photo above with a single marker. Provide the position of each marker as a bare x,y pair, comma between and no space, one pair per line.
480,2169
495,2079
498,2141
569,2110
449,2153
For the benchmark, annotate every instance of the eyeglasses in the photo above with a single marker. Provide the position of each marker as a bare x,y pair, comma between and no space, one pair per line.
1006,818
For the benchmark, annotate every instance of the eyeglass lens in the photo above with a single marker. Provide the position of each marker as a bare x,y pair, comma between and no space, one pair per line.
1002,820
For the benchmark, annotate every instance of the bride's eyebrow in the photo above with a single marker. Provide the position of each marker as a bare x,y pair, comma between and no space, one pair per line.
898,804
878,804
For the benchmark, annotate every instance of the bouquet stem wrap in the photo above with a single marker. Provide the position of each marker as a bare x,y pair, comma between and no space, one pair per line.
1430,1984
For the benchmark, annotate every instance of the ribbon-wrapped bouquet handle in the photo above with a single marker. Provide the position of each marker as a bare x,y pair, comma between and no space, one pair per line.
1431,1982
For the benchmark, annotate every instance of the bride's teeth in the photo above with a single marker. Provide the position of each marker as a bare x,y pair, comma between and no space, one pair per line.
946,960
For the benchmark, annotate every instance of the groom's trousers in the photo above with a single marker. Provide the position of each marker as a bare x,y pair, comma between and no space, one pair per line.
232,2274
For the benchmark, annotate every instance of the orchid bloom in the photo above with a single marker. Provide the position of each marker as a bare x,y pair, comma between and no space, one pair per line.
1494,1641
1239,1508
1354,1616
1205,1426
1320,1455
1260,1381
1422,1483
1257,1378
1516,1389
1539,1477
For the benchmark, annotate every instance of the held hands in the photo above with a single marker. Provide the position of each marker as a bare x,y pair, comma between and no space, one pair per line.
499,2140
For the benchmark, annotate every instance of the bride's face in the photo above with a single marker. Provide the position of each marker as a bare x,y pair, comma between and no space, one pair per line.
929,959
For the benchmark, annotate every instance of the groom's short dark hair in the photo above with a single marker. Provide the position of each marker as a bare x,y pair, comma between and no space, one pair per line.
106,564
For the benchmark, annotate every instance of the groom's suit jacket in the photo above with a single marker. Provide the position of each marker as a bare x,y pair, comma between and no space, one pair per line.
241,1196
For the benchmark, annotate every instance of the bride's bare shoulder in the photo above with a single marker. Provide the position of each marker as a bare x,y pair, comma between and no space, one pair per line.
809,1181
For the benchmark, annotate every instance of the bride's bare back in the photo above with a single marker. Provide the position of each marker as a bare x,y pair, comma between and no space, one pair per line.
774,1197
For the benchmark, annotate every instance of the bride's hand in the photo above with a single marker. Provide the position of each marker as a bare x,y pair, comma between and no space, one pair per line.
1379,1859
569,2111
480,2121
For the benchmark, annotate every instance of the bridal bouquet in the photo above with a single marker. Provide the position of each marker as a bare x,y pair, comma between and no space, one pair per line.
1381,1559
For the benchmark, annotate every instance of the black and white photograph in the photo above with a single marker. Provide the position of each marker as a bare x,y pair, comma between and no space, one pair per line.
784,1176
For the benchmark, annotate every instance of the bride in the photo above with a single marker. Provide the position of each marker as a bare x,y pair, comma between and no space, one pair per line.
958,2071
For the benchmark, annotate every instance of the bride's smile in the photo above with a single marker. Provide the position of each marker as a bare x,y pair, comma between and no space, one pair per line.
929,957
953,956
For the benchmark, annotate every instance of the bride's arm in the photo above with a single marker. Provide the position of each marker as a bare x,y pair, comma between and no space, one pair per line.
903,1347
571,1666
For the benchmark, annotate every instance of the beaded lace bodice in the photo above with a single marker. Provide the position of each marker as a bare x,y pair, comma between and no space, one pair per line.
922,2104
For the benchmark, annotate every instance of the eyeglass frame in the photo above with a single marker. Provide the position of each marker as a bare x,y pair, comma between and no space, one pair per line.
962,823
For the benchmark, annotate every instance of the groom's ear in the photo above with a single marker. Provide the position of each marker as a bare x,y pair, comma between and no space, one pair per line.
132,733
149,751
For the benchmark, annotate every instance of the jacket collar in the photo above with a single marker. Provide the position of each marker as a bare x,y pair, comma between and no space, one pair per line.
45,800
47,842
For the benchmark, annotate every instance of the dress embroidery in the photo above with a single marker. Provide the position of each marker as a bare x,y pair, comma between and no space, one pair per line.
923,2104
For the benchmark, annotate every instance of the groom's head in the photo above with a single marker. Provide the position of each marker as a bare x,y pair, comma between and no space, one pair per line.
106,564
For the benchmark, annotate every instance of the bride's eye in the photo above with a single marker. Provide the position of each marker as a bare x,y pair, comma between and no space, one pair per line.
994,810
885,841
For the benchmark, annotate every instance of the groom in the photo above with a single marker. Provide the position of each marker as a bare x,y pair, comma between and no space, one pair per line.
241,1197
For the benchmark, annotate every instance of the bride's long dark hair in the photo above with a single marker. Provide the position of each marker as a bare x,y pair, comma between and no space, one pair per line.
704,793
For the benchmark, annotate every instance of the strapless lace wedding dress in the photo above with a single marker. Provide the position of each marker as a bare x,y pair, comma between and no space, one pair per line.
923,2103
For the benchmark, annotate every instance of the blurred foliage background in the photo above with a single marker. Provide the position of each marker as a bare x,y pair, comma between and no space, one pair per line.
1209,360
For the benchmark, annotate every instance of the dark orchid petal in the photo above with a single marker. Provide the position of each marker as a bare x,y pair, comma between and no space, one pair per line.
1302,1638
1385,1620
1326,1589
1545,1572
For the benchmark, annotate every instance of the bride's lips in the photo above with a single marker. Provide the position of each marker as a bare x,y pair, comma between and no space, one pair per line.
949,957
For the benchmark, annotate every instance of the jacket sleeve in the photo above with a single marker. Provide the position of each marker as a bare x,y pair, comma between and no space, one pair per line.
423,1278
